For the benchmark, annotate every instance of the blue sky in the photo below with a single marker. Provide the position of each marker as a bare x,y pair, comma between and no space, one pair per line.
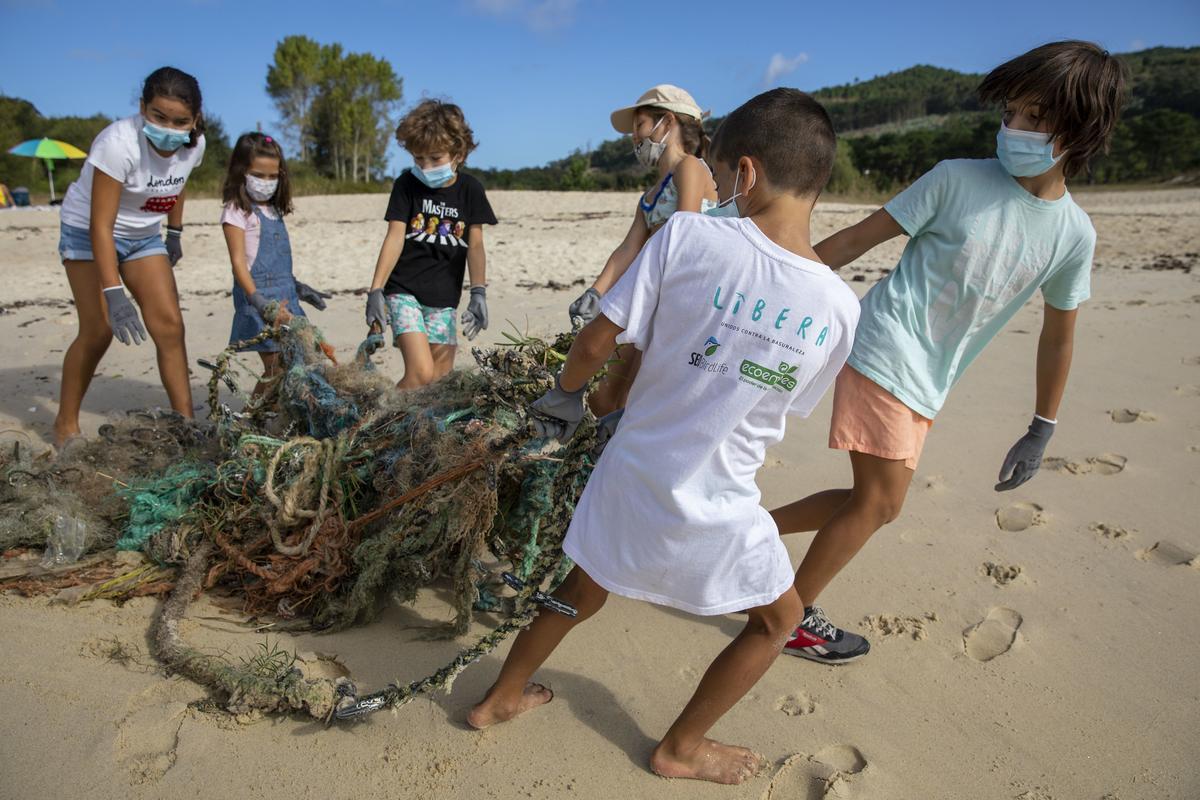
537,78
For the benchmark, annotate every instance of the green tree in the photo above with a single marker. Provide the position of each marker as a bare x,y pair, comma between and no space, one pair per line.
577,173
293,81
339,104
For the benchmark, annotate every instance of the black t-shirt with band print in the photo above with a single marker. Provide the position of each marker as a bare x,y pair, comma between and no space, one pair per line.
434,259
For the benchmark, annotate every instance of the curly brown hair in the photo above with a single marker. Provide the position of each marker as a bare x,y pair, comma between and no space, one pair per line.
248,147
1080,88
434,126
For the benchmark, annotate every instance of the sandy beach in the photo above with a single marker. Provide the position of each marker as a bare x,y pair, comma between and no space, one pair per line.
1037,645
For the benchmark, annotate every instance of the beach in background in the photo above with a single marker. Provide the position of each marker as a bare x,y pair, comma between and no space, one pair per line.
1039,644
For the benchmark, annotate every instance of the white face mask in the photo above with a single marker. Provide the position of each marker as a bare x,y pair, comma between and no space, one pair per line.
260,189
648,151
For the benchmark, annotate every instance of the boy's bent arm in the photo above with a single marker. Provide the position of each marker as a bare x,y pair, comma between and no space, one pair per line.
1053,363
589,352
389,253
476,256
1055,347
849,243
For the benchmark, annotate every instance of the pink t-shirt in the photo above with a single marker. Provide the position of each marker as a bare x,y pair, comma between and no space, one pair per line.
247,221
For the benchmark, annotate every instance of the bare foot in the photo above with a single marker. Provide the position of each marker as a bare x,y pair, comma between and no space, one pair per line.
495,709
711,761
65,433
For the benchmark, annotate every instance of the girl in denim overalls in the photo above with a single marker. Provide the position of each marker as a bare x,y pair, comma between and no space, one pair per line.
257,195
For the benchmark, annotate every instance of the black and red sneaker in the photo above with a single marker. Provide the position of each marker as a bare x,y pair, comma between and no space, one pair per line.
818,639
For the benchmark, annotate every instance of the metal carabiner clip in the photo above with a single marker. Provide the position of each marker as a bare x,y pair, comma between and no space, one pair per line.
539,597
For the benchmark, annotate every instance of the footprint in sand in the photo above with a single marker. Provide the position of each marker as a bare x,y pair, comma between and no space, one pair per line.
1035,794
1001,574
1107,530
1188,390
1019,516
796,705
1127,415
890,625
838,771
1106,464
1192,361
148,734
1168,554
993,635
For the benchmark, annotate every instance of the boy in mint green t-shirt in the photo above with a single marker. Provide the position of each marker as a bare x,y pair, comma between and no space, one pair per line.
986,235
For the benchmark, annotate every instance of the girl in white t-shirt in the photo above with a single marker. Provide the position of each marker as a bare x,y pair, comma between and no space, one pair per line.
134,176
257,195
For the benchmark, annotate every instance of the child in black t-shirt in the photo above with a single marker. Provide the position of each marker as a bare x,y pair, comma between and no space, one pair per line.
435,233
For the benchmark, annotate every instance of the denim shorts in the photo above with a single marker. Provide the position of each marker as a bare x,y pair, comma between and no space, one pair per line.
406,315
75,244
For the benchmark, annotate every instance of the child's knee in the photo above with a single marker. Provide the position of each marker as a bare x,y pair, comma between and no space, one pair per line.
96,338
583,593
879,507
165,328
418,375
780,618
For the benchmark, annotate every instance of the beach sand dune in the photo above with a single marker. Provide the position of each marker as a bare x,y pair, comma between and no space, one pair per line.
1040,644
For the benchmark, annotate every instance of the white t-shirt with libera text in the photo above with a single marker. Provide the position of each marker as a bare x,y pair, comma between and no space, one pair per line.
151,184
735,332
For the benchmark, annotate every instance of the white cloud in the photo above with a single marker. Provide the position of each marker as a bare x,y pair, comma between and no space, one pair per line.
782,65
542,16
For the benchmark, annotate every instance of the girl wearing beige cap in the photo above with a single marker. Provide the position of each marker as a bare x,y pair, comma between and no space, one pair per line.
665,123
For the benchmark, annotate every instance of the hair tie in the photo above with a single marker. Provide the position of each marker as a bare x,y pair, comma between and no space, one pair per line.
268,139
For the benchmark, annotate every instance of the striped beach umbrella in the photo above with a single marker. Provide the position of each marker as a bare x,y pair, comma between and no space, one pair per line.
48,150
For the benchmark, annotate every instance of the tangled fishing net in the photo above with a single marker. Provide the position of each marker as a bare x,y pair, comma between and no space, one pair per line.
326,496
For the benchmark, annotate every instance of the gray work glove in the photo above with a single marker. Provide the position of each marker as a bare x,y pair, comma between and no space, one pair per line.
311,296
123,317
606,426
557,413
174,245
1025,457
377,313
260,303
585,309
475,318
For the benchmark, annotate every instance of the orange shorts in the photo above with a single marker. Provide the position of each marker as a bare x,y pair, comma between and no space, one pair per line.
869,419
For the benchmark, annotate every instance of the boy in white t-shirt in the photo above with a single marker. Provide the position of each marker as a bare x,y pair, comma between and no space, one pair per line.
739,325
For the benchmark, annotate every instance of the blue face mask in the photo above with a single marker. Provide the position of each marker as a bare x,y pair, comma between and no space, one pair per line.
434,178
1024,153
728,208
166,139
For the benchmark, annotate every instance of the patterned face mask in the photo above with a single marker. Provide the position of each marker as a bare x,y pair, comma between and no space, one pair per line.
648,151
260,189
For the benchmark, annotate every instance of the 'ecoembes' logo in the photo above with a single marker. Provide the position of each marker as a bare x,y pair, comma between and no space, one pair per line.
778,379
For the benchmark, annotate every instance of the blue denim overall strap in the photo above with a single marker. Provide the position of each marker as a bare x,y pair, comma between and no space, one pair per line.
273,261
273,279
